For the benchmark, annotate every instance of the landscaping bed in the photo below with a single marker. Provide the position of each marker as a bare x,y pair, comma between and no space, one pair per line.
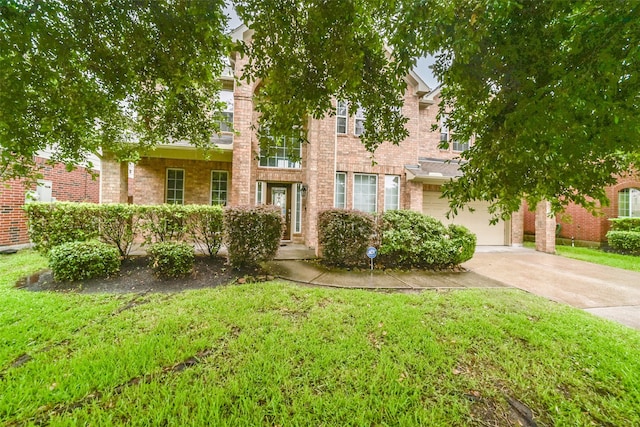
136,276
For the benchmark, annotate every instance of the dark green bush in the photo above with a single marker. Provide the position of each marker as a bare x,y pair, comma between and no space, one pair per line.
83,260
51,224
204,225
412,240
344,235
171,259
119,224
624,241
625,224
163,223
252,234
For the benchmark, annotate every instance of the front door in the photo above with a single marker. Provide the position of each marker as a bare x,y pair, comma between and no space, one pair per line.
280,196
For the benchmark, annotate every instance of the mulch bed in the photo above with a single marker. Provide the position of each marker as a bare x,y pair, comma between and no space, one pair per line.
136,276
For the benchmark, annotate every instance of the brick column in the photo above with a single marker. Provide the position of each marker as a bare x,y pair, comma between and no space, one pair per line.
114,180
545,228
242,155
415,192
517,227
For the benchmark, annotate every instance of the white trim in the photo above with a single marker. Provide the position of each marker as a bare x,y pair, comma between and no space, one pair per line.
261,193
297,208
335,190
166,184
385,191
226,173
375,207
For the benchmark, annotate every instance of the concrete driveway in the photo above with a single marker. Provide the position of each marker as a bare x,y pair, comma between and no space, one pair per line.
607,292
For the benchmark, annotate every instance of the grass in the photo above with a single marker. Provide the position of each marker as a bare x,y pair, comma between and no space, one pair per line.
280,354
597,256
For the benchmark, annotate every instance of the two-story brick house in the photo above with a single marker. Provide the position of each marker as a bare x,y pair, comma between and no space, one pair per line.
334,168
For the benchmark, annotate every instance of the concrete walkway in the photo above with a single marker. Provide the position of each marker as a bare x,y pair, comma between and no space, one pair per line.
315,274
604,291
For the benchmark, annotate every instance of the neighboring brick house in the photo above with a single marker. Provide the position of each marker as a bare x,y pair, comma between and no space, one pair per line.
578,226
335,170
57,184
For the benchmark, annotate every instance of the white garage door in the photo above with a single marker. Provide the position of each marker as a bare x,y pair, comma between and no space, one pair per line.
476,221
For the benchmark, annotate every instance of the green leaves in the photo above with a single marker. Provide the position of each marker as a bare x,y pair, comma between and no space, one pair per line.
116,75
304,54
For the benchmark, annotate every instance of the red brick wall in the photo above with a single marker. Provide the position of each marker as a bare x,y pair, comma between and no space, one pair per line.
74,186
579,223
148,188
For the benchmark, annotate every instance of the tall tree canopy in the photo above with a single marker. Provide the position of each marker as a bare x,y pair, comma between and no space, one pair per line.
117,75
548,90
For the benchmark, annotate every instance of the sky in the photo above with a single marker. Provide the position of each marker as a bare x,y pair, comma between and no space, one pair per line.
422,66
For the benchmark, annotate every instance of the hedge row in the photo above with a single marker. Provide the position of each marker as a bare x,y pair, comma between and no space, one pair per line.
405,239
51,224
624,235
252,234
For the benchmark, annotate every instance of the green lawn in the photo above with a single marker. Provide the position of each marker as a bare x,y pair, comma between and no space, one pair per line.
280,354
597,256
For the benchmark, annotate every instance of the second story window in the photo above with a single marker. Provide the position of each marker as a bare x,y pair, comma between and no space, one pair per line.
359,122
447,138
444,131
282,153
226,125
460,146
342,117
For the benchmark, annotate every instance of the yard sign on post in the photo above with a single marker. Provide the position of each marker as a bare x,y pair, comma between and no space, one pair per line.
372,253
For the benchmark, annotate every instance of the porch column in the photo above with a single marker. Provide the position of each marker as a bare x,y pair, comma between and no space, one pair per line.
545,228
114,180
517,227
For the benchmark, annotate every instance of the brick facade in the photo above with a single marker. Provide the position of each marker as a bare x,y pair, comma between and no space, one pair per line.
75,186
578,224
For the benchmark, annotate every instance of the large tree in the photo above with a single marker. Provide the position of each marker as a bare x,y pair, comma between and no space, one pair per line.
548,90
81,76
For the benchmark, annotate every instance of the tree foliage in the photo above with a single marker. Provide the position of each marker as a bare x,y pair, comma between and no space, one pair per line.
305,53
548,90
117,75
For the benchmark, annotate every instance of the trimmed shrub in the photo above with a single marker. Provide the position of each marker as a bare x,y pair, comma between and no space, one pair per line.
252,234
163,223
83,260
625,224
624,241
412,240
119,224
171,259
52,224
344,235
205,226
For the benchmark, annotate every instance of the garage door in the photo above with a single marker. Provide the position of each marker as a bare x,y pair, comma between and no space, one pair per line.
477,221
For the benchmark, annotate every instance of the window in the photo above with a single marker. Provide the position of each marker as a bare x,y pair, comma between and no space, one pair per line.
219,181
175,186
460,146
342,117
365,192
340,195
446,137
629,202
359,122
297,217
226,125
391,192
261,193
444,131
282,153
